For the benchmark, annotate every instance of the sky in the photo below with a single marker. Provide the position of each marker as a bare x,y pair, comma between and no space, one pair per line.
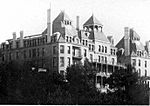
31,16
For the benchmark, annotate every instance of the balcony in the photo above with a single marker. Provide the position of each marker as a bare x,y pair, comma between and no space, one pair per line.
76,54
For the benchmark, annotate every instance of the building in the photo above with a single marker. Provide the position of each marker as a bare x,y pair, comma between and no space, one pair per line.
61,44
132,51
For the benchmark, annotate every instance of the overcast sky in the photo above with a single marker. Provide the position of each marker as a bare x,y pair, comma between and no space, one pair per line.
31,15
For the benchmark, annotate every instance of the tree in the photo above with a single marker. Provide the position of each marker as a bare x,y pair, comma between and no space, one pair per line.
127,86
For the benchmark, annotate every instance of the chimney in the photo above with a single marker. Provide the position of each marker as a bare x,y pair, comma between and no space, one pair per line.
49,25
77,27
127,41
21,38
14,40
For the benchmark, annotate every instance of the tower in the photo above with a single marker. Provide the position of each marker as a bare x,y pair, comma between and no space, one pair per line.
93,24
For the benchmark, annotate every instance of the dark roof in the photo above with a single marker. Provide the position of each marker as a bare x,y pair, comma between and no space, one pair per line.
134,35
98,35
134,45
62,16
120,44
92,21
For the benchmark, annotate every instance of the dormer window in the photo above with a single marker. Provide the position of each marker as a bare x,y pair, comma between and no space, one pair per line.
68,22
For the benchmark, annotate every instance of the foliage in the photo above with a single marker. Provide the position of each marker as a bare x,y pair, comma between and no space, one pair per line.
19,84
129,90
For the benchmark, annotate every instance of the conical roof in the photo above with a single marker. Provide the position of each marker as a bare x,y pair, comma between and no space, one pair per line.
92,21
61,17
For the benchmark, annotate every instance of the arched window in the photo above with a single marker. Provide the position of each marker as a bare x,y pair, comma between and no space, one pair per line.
99,48
83,42
86,43
105,49
139,62
102,48
145,73
91,57
92,47
139,72
70,39
89,46
67,38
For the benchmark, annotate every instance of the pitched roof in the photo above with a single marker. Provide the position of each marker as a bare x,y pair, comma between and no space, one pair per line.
92,21
98,35
62,16
134,35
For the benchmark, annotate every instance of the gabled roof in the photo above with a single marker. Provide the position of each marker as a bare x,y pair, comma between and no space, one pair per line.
92,21
134,35
98,35
61,17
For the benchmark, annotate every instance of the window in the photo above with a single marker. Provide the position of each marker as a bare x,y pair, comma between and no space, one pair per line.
139,62
83,42
33,52
68,49
43,51
24,44
61,48
61,61
54,49
102,59
99,58
139,72
145,73
85,53
24,53
54,62
92,47
102,48
145,63
89,46
38,52
113,61
67,38
114,52
111,51
105,49
86,43
70,39
99,48
91,57
105,59
68,61
134,62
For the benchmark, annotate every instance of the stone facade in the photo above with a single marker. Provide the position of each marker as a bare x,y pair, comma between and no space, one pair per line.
61,44
132,51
